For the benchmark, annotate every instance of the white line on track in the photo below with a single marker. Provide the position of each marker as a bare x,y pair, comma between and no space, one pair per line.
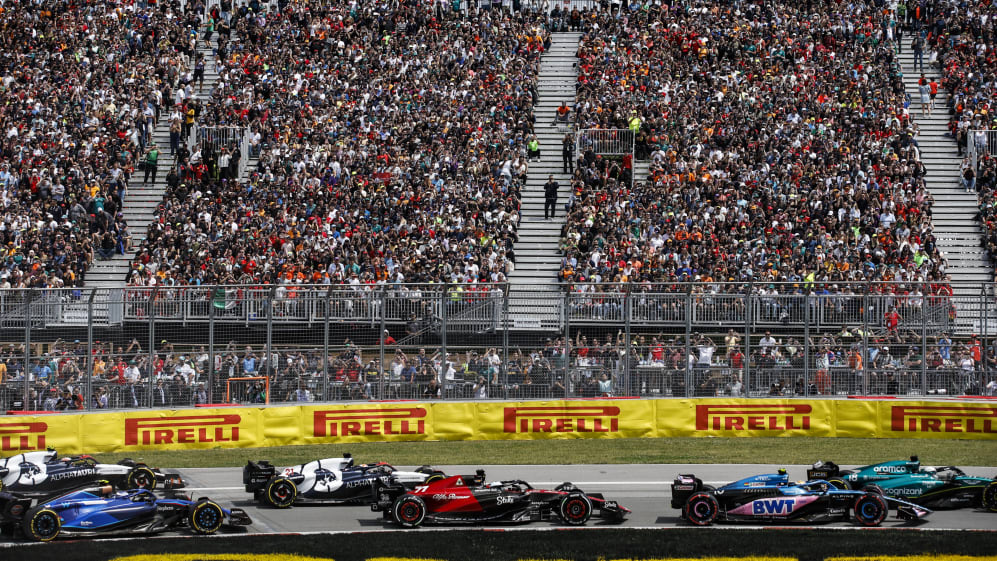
544,483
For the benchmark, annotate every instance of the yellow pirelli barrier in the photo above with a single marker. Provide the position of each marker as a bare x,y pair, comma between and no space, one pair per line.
243,427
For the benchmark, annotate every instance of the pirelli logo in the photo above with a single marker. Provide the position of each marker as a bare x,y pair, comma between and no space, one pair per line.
188,429
774,417
944,418
596,418
367,422
22,437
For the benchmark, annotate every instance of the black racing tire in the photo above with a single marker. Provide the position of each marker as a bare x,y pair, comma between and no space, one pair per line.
41,524
409,511
281,492
990,497
575,509
871,509
839,483
701,509
141,477
205,517
873,488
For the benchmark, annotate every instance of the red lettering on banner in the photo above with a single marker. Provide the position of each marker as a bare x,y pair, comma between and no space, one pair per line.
181,430
22,436
368,422
562,419
944,418
753,416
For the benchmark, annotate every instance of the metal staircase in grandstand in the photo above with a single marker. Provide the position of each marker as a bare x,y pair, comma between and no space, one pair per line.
956,228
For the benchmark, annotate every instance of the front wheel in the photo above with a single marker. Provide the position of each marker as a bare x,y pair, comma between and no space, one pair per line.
871,509
701,509
409,511
42,525
141,477
575,509
206,517
281,492
990,497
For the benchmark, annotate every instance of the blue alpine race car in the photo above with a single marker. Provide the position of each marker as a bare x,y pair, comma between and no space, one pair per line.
93,511
771,497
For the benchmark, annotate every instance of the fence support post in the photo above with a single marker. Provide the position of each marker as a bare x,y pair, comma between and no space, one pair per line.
924,338
152,343
383,368
211,344
865,341
505,341
29,293
445,297
271,370
567,344
806,341
747,341
628,310
89,394
689,382
325,347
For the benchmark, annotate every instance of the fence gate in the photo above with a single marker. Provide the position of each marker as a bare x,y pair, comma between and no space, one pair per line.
213,139
607,142
980,143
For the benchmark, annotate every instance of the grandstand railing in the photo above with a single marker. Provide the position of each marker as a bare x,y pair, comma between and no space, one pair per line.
343,342
215,138
980,143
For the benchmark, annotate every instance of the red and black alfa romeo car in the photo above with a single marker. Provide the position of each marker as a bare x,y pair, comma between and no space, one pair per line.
467,499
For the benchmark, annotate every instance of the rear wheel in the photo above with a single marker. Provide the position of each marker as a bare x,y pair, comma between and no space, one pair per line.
701,509
871,509
141,477
281,492
873,488
42,525
990,497
206,517
575,509
409,511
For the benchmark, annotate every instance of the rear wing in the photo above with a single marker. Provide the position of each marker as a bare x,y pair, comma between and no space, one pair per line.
683,487
255,475
823,470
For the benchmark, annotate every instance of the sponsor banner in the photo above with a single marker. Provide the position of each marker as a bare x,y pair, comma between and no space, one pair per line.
189,429
455,421
370,422
565,419
281,426
26,434
744,417
934,419
856,418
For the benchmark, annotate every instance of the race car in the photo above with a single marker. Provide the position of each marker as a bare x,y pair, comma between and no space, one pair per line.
466,499
99,510
332,480
43,474
771,497
943,487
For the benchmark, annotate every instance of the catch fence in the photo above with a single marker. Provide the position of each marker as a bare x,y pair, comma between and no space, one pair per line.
186,346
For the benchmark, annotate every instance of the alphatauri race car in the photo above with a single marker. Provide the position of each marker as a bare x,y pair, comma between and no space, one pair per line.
466,499
100,510
43,474
772,498
942,487
332,480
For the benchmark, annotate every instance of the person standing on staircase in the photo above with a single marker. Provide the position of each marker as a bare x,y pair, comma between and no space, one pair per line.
550,197
568,154
918,46
933,85
925,94
151,161
533,148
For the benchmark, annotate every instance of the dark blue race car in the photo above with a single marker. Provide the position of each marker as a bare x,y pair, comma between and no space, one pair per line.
772,498
93,511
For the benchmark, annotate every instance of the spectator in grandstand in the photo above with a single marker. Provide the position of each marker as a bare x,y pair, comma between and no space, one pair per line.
391,178
817,191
